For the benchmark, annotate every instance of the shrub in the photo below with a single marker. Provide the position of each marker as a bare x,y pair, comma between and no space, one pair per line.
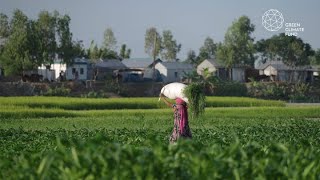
57,91
94,94
280,91
230,88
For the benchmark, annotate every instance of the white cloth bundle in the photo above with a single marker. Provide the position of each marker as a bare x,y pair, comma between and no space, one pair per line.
174,91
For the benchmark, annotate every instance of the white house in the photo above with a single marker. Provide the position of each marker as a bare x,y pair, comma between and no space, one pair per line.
211,64
54,71
218,69
173,71
78,70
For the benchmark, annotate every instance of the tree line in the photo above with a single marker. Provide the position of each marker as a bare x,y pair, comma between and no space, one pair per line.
238,47
28,43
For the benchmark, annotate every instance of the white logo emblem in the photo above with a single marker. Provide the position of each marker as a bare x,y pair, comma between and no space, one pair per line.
272,20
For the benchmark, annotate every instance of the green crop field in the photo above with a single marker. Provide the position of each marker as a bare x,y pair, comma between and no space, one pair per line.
127,138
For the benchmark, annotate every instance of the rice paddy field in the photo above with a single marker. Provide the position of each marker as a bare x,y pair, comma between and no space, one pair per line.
128,138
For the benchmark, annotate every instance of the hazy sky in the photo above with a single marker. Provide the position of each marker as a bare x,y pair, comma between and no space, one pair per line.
190,21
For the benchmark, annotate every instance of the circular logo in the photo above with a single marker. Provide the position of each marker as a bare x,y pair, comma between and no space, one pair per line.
272,20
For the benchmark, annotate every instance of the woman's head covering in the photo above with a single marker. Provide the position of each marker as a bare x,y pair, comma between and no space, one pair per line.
180,101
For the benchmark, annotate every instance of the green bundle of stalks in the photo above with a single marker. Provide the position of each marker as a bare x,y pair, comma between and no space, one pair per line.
196,98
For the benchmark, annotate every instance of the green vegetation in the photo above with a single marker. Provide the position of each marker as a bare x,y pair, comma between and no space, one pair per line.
83,138
69,103
196,97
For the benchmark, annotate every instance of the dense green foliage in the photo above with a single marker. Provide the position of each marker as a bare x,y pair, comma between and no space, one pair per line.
221,153
44,138
196,97
238,47
289,49
30,43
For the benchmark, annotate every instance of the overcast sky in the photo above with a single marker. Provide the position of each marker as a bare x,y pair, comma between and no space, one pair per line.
190,21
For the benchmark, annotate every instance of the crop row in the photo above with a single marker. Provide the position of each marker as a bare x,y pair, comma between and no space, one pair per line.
124,103
18,112
264,152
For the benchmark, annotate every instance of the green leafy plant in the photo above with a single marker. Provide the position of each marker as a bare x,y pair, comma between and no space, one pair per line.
196,97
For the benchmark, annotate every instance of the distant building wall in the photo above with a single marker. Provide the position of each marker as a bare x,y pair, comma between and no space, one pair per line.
81,69
172,74
238,74
206,64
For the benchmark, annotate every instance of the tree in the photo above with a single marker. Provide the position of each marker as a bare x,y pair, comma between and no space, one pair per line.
289,49
65,45
238,47
208,50
31,43
16,57
4,30
292,50
78,49
108,54
152,45
315,59
169,46
109,41
192,57
93,52
4,26
124,52
46,36
128,53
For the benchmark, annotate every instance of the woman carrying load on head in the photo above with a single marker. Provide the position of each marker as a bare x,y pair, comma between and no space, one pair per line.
181,124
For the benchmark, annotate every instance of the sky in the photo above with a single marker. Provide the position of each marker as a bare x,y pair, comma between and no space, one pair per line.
190,21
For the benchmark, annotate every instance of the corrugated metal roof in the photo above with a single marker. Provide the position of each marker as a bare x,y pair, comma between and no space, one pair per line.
138,62
111,63
177,65
279,65
215,63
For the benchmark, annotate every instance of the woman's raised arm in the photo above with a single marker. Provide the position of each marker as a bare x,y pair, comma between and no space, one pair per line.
165,100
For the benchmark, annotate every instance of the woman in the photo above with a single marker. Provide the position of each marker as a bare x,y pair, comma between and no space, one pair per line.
181,124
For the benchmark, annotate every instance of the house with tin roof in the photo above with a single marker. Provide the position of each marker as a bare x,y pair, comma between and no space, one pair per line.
139,63
218,69
104,69
78,70
278,71
139,70
173,71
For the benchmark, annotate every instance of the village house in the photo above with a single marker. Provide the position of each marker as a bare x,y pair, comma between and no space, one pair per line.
173,71
78,70
278,71
139,69
315,72
218,69
53,72
104,69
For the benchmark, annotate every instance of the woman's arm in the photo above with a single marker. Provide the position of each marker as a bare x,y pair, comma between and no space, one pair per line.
165,100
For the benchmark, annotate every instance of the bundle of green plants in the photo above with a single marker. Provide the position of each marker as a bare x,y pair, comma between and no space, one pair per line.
196,97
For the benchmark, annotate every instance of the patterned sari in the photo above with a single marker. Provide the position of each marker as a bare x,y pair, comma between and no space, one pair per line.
181,124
